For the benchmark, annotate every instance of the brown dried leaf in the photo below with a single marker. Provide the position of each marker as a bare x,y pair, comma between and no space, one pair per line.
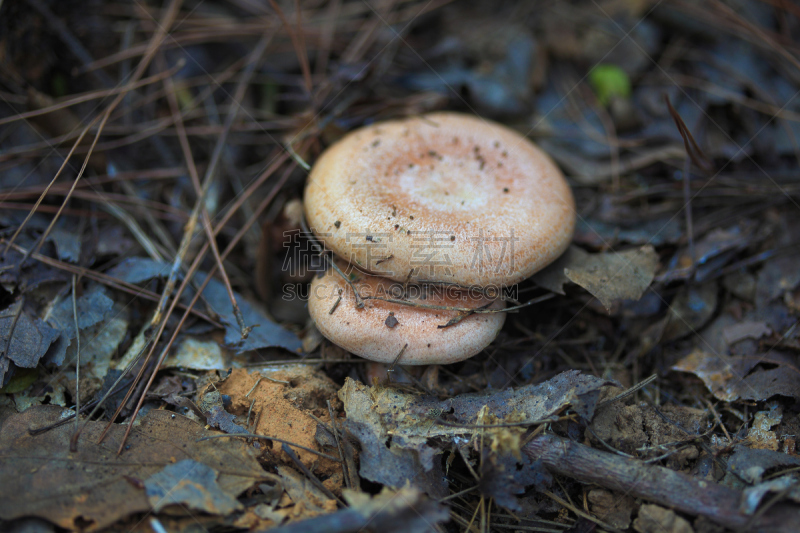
303,492
191,484
609,276
614,276
94,487
281,402
730,378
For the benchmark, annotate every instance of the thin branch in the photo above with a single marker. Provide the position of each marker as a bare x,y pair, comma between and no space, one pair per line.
267,437
73,443
661,485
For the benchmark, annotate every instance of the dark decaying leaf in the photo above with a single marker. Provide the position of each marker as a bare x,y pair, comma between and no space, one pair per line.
504,478
394,427
750,464
784,486
301,490
192,484
29,338
599,234
406,510
779,275
690,310
114,241
501,85
609,276
411,417
745,330
755,377
217,416
713,251
536,402
553,277
28,276
265,332
88,489
383,461
113,401
139,269
66,239
92,308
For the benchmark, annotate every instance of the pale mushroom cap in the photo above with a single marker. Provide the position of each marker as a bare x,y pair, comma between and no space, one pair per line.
365,331
444,197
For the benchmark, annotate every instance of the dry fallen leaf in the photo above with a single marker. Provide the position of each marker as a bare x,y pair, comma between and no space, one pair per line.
395,427
279,401
216,415
304,494
609,276
191,484
756,377
690,310
30,338
94,487
403,511
265,332
612,508
750,464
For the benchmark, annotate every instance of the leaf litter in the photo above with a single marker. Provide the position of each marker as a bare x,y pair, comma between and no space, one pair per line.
675,271
756,377
610,276
94,487
395,428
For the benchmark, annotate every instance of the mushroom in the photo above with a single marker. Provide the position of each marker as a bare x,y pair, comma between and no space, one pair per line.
443,198
417,331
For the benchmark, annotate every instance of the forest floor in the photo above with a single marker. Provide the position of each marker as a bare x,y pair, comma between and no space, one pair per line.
152,164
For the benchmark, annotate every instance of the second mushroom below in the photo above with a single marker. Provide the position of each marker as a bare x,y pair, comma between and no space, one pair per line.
431,326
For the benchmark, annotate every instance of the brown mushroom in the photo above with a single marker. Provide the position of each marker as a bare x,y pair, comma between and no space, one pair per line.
443,197
416,331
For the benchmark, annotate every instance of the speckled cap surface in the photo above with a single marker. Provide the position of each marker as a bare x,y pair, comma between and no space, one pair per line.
445,197
381,329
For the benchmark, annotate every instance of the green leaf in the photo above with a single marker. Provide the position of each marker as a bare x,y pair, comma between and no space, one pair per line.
609,81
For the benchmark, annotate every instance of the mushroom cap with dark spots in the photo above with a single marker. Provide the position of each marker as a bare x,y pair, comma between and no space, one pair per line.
368,332
451,198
